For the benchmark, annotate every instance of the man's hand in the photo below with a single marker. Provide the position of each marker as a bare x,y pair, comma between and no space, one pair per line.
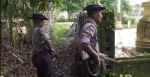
48,43
53,50
87,48
98,60
101,54
105,56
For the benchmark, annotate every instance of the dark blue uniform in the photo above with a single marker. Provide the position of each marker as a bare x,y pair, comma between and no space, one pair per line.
88,36
41,58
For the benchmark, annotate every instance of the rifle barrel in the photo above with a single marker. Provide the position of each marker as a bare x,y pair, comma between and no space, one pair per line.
109,59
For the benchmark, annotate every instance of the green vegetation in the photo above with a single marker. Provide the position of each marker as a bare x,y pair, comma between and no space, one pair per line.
132,20
74,6
22,9
106,33
58,30
71,6
125,26
126,75
62,19
124,20
121,75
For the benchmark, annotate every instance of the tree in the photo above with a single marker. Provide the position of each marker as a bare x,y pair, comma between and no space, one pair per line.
15,9
136,10
112,4
109,4
24,8
71,6
0,37
126,7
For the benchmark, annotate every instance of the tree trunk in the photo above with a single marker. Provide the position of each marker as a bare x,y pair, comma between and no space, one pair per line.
10,28
84,3
0,37
68,15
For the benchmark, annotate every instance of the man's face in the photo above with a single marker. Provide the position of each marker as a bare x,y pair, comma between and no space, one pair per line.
39,22
98,16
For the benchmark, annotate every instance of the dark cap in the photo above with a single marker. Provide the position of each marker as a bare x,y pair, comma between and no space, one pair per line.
94,6
38,16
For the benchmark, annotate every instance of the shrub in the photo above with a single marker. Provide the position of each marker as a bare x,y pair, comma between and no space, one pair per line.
132,20
62,19
57,31
72,19
124,20
56,40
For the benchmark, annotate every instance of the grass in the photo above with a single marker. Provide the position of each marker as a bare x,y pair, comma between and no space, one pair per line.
58,30
125,26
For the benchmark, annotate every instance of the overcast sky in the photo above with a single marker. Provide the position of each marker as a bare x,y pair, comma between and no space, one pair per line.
133,2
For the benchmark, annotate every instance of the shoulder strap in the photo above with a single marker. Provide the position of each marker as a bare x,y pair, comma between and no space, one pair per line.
87,27
33,39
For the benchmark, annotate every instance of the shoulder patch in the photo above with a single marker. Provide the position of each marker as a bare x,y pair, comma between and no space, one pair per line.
91,31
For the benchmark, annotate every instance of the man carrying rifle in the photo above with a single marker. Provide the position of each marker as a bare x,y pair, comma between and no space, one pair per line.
39,39
88,41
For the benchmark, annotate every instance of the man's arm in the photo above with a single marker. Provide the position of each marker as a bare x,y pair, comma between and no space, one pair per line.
47,39
48,44
86,35
87,48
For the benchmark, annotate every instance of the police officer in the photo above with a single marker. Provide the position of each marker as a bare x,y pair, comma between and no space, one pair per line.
39,39
88,40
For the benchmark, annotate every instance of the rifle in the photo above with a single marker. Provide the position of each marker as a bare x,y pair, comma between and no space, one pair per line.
51,54
103,59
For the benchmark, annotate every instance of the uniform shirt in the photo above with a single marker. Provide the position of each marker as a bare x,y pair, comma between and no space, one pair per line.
39,38
88,34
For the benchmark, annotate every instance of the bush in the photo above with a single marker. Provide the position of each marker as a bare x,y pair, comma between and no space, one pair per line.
56,40
132,20
58,30
106,31
72,19
62,19
124,20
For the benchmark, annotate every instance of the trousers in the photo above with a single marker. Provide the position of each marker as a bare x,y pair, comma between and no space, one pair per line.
44,64
92,67
80,68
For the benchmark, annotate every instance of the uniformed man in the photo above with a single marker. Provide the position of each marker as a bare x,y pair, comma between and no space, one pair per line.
89,42
41,41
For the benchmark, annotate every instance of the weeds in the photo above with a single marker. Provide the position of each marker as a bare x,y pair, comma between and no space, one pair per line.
58,30
121,75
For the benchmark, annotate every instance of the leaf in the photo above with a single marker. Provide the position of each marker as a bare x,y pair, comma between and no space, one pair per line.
3,2
6,73
121,75
5,5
